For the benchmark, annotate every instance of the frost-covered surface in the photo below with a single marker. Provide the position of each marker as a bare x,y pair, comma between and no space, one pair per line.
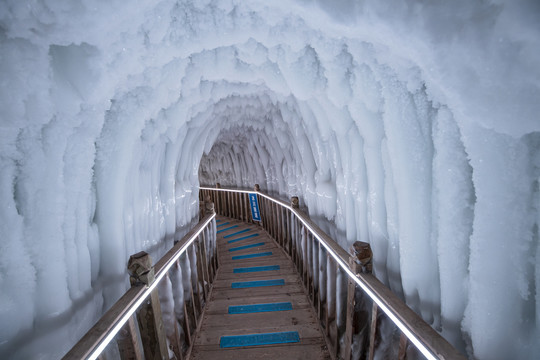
411,125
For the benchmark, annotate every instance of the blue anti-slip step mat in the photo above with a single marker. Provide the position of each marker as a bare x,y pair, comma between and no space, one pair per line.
217,220
259,339
246,246
256,308
249,256
242,238
257,283
227,223
255,269
236,233
229,228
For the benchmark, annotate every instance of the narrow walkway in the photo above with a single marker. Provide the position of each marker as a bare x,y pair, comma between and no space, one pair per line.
258,309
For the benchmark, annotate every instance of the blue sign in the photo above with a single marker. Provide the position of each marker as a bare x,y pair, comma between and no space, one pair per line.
254,204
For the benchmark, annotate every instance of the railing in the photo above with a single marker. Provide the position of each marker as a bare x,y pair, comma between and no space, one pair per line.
350,302
134,328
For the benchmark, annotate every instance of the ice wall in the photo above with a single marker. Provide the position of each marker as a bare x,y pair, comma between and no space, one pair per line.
411,125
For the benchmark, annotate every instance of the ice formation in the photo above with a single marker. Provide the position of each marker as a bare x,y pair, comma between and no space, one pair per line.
411,125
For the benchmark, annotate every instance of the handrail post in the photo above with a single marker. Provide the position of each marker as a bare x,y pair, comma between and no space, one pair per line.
218,199
209,207
129,341
359,261
295,234
150,321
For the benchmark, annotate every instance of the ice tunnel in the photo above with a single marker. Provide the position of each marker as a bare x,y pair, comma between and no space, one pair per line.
410,125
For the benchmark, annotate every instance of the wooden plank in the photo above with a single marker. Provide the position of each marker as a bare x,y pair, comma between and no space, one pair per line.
402,352
267,215
313,349
176,342
151,329
266,247
297,248
316,278
236,207
209,256
332,308
279,260
351,288
305,270
282,227
227,204
238,214
255,322
286,233
220,306
201,279
242,209
267,244
226,246
261,275
277,223
262,291
323,279
341,308
290,279
191,312
194,281
129,341
215,265
373,331
211,335
245,208
232,211
306,341
187,326
311,279
228,261
279,237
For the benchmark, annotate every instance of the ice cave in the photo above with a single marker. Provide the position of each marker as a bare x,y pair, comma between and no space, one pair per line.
412,125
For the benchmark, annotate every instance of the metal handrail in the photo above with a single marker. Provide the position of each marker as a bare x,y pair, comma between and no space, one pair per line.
100,335
429,342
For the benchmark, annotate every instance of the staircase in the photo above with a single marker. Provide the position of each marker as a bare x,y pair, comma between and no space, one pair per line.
258,308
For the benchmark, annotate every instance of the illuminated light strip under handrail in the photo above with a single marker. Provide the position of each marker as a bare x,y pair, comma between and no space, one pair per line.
402,326
140,298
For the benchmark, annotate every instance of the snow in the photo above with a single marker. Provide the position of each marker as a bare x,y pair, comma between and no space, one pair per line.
410,125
